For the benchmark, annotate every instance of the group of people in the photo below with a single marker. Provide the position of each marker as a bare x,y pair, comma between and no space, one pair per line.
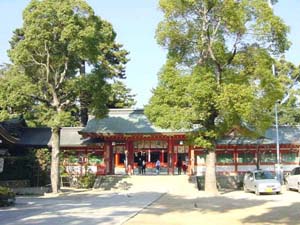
181,166
142,166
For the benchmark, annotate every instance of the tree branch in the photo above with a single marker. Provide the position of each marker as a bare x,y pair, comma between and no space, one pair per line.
234,51
63,74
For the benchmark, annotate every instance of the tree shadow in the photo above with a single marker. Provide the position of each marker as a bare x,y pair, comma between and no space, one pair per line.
100,207
203,204
288,215
78,208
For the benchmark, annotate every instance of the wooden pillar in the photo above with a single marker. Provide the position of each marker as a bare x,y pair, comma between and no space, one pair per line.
107,147
191,166
108,157
257,157
161,154
130,158
235,161
117,159
111,160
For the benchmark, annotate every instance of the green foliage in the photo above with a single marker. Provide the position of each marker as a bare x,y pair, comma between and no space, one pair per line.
120,96
218,71
56,40
87,180
94,159
15,99
7,197
33,166
288,74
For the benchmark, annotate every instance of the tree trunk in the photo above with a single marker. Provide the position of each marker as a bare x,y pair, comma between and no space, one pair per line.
83,113
83,100
55,159
210,173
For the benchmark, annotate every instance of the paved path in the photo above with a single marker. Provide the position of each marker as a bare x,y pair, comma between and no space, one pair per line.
91,207
155,200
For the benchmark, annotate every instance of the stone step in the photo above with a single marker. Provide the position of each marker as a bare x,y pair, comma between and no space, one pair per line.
158,183
108,182
161,183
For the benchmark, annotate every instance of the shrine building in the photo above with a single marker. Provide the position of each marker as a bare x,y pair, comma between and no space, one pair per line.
115,144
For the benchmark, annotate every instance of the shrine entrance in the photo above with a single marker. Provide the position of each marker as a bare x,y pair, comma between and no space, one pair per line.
128,155
150,152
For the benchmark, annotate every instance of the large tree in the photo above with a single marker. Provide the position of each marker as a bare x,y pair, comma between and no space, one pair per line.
218,71
289,76
120,96
57,40
13,102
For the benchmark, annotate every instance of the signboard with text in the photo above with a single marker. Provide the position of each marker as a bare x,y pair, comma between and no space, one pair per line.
1,165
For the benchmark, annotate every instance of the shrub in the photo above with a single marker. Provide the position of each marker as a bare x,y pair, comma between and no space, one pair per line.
87,181
7,197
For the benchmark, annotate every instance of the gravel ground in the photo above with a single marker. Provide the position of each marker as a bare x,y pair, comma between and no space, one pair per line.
232,208
159,206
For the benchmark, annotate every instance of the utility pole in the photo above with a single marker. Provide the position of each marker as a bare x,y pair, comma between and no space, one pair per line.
277,166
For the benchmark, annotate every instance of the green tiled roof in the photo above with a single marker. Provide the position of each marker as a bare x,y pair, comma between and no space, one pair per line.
69,137
125,121
287,134
129,121
244,141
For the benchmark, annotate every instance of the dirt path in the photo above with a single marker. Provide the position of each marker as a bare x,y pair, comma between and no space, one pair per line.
234,208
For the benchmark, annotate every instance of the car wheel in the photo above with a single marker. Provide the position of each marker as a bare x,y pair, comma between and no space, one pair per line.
257,191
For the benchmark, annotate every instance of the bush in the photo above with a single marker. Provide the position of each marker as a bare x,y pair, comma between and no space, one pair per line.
7,197
87,181
33,165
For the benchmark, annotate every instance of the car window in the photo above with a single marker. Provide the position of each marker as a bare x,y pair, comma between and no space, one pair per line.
297,171
293,171
263,175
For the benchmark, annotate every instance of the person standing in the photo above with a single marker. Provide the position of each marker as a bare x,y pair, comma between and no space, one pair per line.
140,165
157,166
144,167
179,166
184,168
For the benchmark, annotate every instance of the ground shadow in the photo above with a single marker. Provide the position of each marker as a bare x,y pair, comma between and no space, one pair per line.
288,215
96,207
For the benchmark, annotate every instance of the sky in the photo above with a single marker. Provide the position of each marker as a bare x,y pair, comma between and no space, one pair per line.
135,23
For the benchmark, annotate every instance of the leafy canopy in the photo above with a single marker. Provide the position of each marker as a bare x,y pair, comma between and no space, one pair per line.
56,39
218,71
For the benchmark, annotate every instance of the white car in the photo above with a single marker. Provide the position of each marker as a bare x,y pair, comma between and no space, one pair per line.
260,181
293,179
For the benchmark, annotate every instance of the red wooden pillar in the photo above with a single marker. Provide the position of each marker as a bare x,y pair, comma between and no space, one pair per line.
191,166
111,160
117,159
235,161
106,156
130,158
